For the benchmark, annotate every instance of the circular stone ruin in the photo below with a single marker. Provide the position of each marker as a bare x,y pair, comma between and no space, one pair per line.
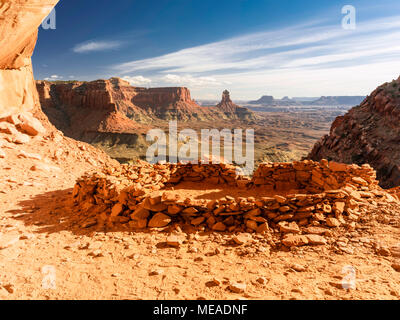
301,199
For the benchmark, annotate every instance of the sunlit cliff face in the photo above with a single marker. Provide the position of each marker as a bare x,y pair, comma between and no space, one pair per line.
18,35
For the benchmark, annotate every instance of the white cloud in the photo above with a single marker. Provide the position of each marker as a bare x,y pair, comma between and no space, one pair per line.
308,57
267,47
54,77
137,80
91,46
188,80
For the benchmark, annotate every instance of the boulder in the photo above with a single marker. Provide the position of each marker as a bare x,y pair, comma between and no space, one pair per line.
30,125
287,227
292,240
159,220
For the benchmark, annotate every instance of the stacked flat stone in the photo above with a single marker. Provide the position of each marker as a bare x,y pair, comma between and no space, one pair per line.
318,196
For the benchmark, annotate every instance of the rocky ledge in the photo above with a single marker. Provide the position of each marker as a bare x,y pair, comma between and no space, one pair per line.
368,133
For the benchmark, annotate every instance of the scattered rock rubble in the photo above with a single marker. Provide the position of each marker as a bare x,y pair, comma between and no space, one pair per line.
301,201
368,133
21,128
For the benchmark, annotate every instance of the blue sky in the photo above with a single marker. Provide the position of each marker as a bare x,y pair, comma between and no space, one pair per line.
250,47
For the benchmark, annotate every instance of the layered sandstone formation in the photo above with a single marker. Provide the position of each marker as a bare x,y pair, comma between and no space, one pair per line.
18,33
27,140
115,116
77,108
301,200
60,100
338,101
170,104
368,133
322,101
270,101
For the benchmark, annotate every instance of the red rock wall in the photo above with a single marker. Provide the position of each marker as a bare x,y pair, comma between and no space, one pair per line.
92,95
80,107
162,96
143,105
20,20
369,133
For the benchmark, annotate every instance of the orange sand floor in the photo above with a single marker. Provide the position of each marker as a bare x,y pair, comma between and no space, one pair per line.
200,191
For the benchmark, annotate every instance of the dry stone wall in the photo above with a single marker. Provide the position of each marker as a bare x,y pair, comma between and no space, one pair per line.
302,200
312,176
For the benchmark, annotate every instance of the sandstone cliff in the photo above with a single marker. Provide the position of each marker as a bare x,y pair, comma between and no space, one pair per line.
79,107
25,132
18,33
270,101
368,133
115,116
170,103
94,101
60,100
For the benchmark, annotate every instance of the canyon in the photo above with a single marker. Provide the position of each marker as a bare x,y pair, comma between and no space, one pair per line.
115,116
62,100
182,231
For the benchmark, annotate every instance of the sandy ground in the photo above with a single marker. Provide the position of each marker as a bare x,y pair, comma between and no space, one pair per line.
209,191
45,254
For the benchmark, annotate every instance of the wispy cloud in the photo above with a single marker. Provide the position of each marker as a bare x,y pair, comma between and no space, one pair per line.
190,80
295,55
91,46
54,77
137,80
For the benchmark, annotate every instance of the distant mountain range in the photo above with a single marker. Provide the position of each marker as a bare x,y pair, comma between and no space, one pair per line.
299,101
339,100
271,101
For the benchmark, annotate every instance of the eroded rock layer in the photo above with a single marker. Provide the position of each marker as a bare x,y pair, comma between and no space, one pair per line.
368,133
28,142
18,33
115,116
61,101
